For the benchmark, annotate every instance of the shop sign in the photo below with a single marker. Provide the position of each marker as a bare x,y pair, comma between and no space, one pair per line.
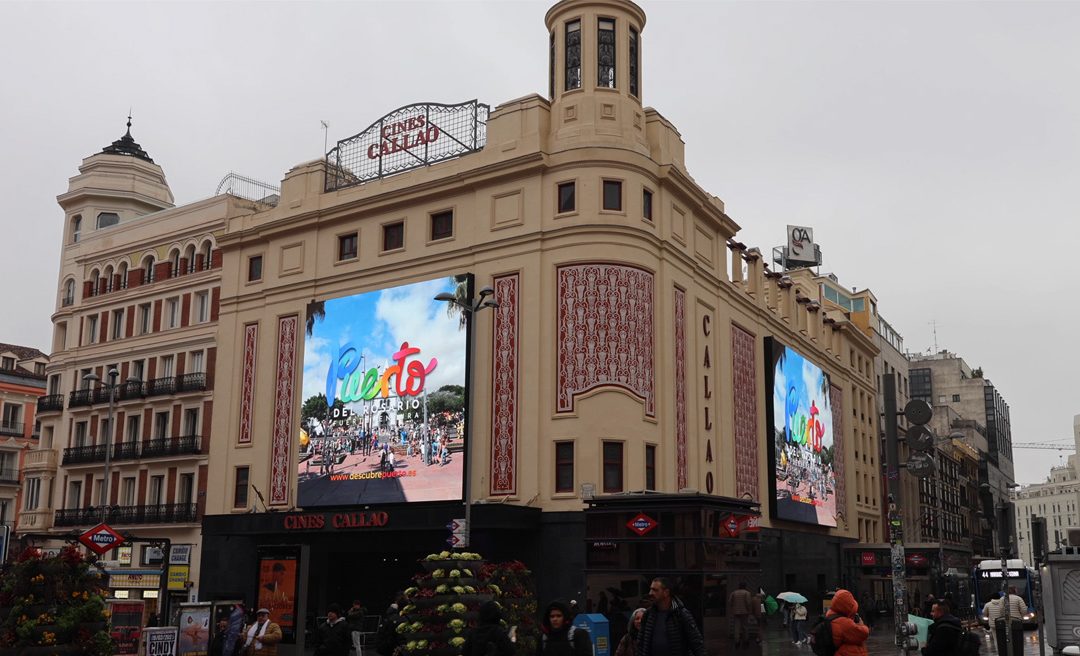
178,577
146,581
735,525
123,555
319,522
160,641
642,524
180,554
101,538
869,559
917,560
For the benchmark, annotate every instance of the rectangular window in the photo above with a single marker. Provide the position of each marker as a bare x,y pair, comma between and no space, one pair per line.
442,225
144,318
605,53
185,493
127,491
346,246
254,268
650,467
646,204
956,398
7,363
566,197
117,324
172,312
91,329
202,307
33,493
613,195
564,466
240,488
157,491
80,436
138,369
74,499
131,434
393,236
613,467
573,56
634,38
195,362
161,425
166,366
191,421
11,415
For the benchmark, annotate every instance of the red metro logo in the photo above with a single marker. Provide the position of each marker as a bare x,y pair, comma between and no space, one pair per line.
101,538
642,524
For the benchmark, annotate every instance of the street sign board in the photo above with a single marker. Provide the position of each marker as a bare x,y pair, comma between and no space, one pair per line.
455,541
641,524
919,438
921,465
101,538
918,411
459,530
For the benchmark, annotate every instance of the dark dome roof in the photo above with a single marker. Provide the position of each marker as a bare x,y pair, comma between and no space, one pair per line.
126,145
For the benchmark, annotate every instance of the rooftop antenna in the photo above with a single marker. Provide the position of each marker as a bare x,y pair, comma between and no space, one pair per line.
129,121
325,139
933,333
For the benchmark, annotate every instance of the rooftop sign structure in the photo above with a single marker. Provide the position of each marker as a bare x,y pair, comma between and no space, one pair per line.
407,138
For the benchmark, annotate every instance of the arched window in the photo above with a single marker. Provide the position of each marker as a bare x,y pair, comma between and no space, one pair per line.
207,251
189,255
174,257
148,269
95,275
76,228
69,293
123,271
108,278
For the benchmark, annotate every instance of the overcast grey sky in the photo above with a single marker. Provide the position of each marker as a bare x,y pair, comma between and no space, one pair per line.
931,145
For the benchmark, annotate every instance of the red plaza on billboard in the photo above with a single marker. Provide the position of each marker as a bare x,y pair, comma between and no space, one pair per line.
101,538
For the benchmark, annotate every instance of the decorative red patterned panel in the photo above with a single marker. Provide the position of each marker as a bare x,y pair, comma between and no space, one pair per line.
838,448
680,388
247,382
504,387
284,428
745,390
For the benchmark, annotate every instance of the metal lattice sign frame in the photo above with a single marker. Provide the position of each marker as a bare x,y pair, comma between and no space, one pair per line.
407,138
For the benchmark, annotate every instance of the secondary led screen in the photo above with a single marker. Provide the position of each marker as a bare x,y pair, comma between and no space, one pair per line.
802,449
383,417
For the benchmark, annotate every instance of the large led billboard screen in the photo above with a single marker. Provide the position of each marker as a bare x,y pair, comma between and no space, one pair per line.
383,416
801,445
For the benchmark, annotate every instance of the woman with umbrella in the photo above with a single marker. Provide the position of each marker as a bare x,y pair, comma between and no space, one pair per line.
798,615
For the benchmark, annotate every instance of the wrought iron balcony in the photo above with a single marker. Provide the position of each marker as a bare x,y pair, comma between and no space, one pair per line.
80,398
180,446
74,455
50,403
9,476
191,382
14,428
130,390
169,513
161,386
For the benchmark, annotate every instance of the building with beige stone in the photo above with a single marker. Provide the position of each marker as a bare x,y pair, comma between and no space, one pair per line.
130,387
619,417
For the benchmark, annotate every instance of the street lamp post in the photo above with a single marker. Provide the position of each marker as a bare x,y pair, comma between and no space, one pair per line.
469,306
111,386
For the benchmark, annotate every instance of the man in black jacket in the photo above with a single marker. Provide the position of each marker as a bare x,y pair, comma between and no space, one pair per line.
333,637
668,628
944,636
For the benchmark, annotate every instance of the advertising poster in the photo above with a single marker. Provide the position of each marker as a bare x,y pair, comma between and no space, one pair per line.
194,630
383,414
278,579
160,641
125,625
801,421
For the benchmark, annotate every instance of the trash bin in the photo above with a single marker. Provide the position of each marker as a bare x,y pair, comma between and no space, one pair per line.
599,632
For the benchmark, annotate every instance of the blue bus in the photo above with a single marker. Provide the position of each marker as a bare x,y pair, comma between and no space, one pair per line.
986,581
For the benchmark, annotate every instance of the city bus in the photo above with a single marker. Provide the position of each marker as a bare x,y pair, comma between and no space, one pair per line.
987,585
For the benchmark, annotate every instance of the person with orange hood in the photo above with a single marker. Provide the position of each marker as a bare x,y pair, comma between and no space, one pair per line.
848,632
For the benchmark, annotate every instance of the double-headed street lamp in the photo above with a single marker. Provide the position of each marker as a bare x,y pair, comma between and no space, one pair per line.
111,387
469,306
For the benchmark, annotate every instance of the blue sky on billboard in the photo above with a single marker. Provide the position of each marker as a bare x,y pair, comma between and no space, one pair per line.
377,323
807,379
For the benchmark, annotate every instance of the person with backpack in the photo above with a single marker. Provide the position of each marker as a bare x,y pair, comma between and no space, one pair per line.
841,632
668,628
559,637
1017,608
489,638
945,633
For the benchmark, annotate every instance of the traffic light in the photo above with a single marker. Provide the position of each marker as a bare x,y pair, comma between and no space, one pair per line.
1038,538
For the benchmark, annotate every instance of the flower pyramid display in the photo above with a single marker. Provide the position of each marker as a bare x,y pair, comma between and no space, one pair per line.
53,606
515,584
443,604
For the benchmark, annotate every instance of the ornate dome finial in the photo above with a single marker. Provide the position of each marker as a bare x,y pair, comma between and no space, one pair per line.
126,145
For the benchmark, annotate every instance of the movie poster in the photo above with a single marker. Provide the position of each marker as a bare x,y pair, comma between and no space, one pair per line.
194,630
801,421
383,414
278,577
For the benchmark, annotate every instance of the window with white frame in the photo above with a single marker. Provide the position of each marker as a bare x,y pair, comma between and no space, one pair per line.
157,491
127,491
172,312
202,307
33,494
195,362
91,329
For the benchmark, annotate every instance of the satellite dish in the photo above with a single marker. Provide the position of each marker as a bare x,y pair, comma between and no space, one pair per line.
918,412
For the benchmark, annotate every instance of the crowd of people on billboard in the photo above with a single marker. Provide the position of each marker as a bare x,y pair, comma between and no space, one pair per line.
806,474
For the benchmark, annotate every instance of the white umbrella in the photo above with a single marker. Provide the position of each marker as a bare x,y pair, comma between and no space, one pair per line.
792,597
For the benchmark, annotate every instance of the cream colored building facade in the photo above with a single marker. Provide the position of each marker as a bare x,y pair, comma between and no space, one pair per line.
22,381
690,418
136,320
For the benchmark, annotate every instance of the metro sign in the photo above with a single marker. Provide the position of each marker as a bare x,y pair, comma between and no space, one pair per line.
101,538
642,524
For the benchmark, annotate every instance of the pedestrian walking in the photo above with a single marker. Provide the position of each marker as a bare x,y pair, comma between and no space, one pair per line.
996,613
333,637
848,632
489,638
668,628
628,644
559,637
221,635
387,639
943,637
262,637
354,617
739,607
798,624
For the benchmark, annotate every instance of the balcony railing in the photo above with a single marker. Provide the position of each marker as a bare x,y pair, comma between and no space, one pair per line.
191,382
80,398
74,455
14,428
9,476
181,446
50,403
130,390
169,513
161,386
